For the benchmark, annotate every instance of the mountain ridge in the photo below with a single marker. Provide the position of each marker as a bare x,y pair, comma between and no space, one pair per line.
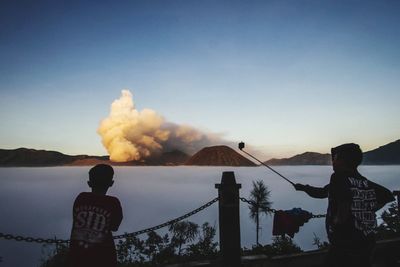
306,158
388,154
28,157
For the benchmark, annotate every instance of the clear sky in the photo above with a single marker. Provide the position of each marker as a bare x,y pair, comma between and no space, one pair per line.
283,76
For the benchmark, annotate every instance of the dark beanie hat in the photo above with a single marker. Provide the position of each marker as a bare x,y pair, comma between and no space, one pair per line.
350,153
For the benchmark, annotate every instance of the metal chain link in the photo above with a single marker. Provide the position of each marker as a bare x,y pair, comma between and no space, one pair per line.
318,216
274,210
168,222
251,202
32,239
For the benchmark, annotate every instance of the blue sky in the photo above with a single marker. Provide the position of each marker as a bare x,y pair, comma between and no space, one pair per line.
283,76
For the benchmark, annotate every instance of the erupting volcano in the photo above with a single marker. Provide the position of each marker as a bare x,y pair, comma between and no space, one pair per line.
130,135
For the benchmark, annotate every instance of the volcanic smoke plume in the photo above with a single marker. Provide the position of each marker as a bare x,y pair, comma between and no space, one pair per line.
129,134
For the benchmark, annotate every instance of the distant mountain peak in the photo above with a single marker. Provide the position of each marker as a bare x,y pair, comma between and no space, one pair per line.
388,154
306,158
219,156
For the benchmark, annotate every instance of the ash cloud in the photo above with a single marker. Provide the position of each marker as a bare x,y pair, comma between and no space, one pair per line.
129,134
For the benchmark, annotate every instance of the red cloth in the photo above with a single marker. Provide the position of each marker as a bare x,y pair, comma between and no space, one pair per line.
289,222
94,217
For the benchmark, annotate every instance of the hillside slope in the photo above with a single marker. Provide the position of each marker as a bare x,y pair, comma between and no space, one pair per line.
307,158
388,154
384,155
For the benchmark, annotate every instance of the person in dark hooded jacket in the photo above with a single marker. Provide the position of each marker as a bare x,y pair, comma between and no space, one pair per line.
352,203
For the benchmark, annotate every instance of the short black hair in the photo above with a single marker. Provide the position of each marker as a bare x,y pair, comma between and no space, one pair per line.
101,174
350,153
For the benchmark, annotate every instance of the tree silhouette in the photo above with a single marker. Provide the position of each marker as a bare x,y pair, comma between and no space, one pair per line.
183,232
390,226
205,248
259,197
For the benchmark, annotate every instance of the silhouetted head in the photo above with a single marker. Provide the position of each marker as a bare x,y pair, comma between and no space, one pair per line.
346,157
101,177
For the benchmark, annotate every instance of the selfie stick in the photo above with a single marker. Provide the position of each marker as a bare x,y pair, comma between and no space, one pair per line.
241,146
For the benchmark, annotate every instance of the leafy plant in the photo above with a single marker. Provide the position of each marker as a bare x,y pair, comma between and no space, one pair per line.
281,245
205,248
55,255
182,233
130,250
317,242
390,226
159,250
284,245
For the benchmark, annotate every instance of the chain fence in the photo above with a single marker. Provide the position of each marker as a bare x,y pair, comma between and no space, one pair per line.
274,210
187,215
144,231
33,239
55,240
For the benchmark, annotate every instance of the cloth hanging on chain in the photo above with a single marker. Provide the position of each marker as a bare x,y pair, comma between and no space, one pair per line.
289,221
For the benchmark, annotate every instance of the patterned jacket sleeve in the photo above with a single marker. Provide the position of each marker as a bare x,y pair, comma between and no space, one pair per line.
317,192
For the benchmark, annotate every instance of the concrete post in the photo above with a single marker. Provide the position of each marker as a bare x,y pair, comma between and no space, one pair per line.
229,220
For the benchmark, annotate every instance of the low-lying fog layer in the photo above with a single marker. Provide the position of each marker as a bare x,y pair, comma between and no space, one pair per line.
38,201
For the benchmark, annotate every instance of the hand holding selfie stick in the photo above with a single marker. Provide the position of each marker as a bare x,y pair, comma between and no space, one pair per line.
241,146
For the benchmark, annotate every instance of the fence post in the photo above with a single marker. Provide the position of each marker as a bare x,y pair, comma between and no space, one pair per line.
229,220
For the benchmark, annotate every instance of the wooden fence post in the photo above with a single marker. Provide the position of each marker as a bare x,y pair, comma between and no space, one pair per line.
229,220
